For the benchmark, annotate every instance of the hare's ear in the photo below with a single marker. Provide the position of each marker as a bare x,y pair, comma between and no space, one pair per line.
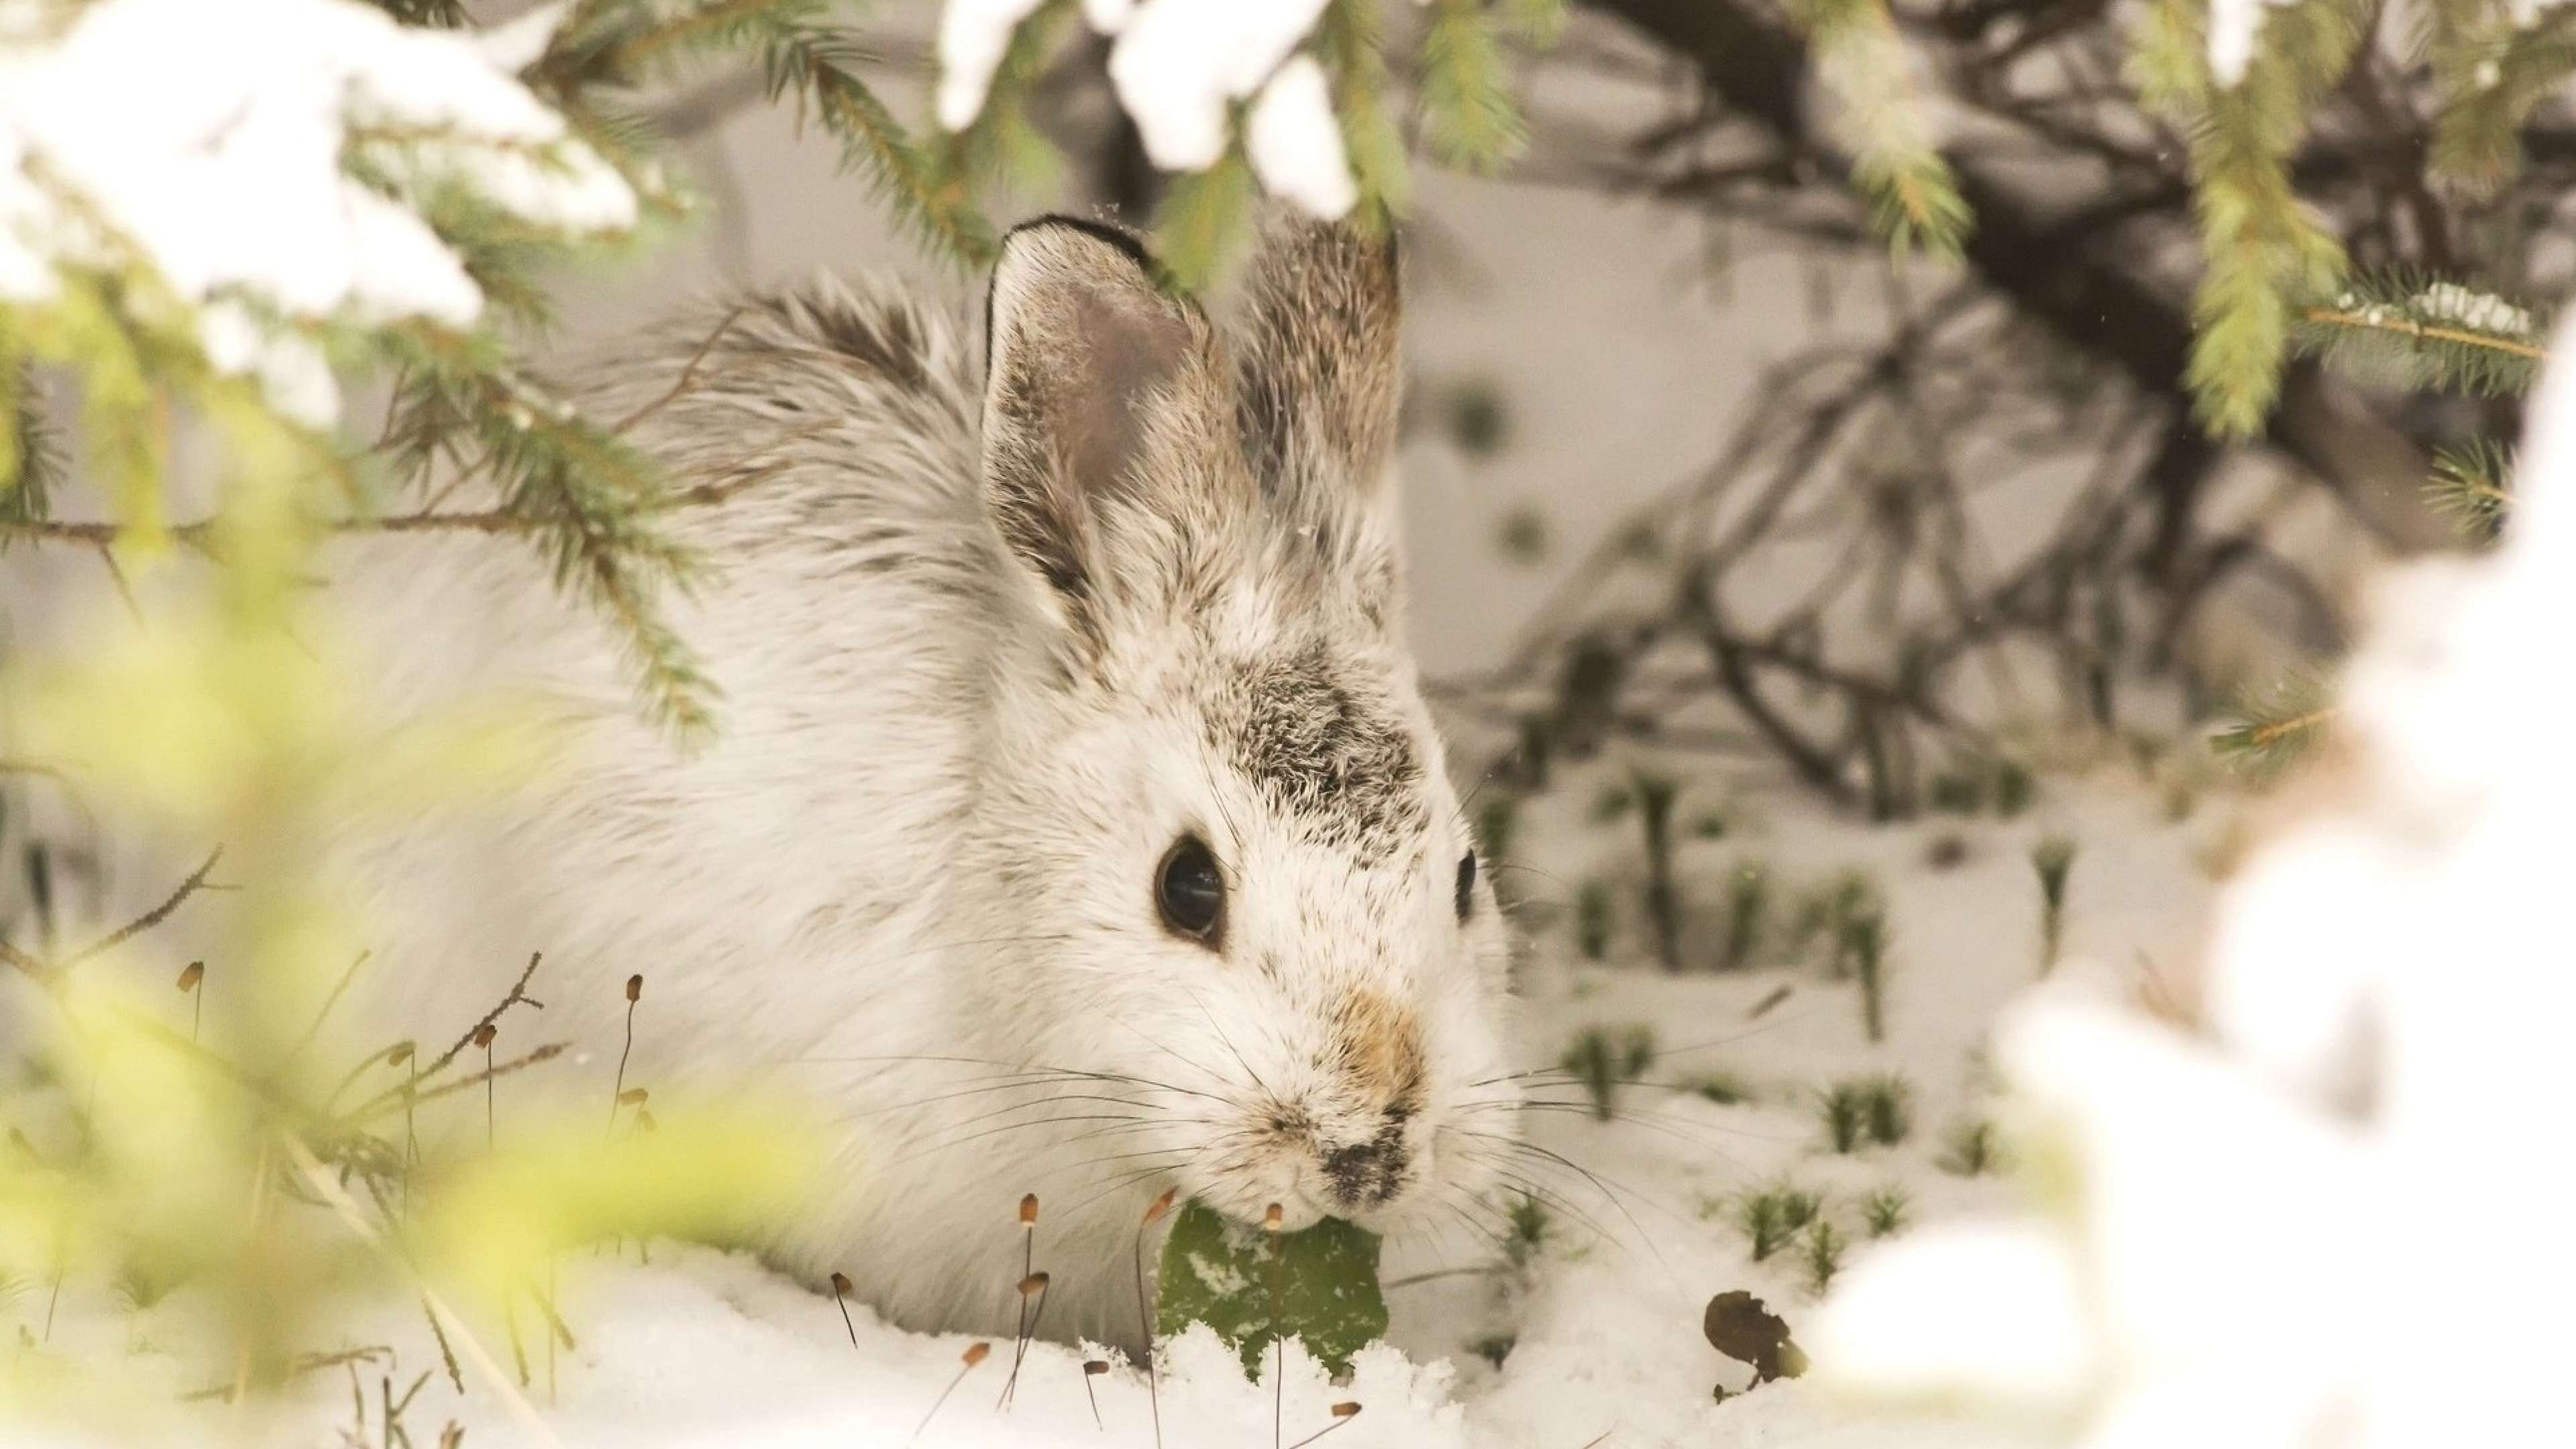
1103,392
1318,389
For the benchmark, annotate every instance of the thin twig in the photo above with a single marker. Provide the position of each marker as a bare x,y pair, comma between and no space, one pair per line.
303,1364
394,1097
147,920
2365,322
518,993
688,374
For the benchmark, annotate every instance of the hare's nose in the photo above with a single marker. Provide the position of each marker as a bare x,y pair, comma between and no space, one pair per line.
1369,1173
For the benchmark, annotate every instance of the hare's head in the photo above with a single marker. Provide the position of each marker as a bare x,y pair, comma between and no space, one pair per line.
1218,808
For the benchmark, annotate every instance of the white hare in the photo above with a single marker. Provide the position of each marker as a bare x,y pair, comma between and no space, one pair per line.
1076,826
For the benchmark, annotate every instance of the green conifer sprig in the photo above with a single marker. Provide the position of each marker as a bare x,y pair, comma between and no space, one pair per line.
1204,220
1003,146
2263,247
31,457
2472,486
462,411
1535,22
1469,115
2405,330
2274,729
1349,45
614,45
1862,62
131,346
2491,74
595,505
934,201
622,43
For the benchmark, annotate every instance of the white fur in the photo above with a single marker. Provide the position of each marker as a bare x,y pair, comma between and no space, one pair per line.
913,876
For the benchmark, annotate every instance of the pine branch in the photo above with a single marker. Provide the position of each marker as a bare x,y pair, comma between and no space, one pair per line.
1467,106
2472,485
1348,46
2397,330
717,25
932,201
2263,246
594,503
1002,145
2491,77
1861,60
597,507
2277,729
31,457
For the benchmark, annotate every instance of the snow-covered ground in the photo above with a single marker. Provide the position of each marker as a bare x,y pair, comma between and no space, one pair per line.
1599,1334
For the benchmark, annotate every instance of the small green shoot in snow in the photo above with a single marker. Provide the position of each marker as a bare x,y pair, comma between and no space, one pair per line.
1864,947
1604,1061
1592,913
1972,1150
1824,1254
1772,1216
1888,1102
1846,1110
2053,859
1886,1210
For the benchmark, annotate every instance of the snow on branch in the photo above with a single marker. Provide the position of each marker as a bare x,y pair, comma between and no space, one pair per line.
1180,68
2399,330
276,164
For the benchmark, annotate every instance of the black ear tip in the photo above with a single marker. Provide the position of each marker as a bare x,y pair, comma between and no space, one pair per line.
1055,229
1126,242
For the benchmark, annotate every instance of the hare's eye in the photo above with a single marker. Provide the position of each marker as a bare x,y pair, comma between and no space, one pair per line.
1189,890
1466,884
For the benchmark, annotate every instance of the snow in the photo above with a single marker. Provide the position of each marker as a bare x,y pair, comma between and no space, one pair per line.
229,182
2254,1212
973,37
1179,63
1296,144
2451,302
1990,1313
2233,28
1179,67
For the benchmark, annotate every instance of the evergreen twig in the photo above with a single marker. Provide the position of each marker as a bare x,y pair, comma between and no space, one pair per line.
1861,60
2472,485
2408,331
2276,728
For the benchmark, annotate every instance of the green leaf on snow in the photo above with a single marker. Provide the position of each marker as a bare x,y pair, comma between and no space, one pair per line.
1318,1285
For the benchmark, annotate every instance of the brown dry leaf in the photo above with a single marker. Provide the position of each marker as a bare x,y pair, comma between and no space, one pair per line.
1739,1326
